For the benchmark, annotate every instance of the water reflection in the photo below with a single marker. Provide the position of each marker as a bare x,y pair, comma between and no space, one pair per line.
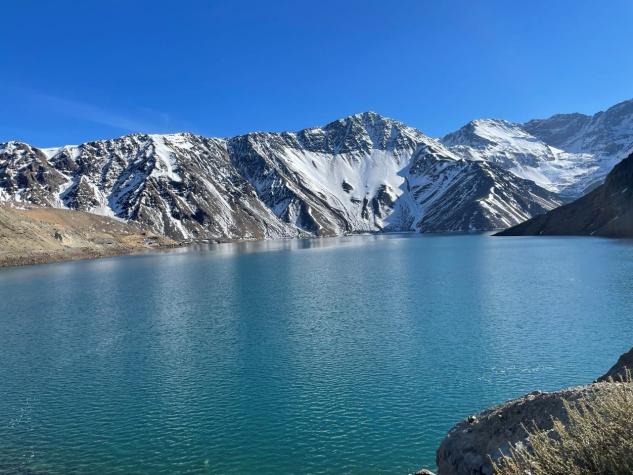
244,247
332,354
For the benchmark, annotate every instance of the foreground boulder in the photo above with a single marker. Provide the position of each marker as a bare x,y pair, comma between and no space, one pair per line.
619,370
469,447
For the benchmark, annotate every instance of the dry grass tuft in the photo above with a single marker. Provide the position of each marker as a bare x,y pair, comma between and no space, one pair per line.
597,440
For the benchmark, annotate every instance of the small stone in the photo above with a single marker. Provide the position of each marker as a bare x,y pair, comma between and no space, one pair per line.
472,419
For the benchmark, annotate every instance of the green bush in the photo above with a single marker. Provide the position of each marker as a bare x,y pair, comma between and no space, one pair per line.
597,440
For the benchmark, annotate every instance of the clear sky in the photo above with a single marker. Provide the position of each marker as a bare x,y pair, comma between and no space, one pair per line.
74,71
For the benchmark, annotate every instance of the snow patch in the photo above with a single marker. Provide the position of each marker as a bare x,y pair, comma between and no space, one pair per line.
166,164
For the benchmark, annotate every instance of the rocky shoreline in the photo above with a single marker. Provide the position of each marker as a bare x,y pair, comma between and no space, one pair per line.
47,257
46,235
471,445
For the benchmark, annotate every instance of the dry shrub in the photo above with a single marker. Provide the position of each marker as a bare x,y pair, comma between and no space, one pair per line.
597,440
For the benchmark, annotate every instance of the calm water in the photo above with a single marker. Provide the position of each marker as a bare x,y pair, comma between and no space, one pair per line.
350,355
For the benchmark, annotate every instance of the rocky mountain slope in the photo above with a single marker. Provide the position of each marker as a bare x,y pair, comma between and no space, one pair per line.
511,147
178,185
605,211
39,235
568,154
361,173
607,136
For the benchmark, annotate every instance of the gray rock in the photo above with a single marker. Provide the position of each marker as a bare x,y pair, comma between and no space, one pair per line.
619,369
469,446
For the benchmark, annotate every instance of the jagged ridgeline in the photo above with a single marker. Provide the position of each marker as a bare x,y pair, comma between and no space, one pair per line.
363,173
605,211
569,154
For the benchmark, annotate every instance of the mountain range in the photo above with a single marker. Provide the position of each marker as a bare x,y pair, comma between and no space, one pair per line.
569,154
362,173
605,211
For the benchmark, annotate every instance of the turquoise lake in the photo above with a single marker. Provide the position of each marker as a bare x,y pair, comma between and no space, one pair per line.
341,355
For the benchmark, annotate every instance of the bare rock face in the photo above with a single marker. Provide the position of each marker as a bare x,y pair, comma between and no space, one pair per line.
471,444
619,369
469,447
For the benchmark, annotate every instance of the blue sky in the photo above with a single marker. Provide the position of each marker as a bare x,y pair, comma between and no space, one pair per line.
76,71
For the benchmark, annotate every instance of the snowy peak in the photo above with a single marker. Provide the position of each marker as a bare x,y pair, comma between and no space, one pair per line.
557,129
511,147
362,173
342,177
618,116
360,133
347,176
606,136
496,139
589,134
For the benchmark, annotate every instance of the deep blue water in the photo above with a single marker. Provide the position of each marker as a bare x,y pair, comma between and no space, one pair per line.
351,355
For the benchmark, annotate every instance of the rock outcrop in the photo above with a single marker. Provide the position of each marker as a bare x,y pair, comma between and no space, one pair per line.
619,370
469,447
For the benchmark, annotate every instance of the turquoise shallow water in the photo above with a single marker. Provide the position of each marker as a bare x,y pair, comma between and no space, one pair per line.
351,355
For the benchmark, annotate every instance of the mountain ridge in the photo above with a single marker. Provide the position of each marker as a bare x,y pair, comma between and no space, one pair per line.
606,211
360,173
569,154
508,145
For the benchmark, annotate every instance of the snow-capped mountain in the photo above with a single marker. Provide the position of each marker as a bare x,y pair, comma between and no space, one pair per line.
179,185
467,195
605,211
361,173
511,147
343,177
607,136
568,153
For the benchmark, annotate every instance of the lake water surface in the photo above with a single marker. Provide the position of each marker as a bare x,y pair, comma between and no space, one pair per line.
350,355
